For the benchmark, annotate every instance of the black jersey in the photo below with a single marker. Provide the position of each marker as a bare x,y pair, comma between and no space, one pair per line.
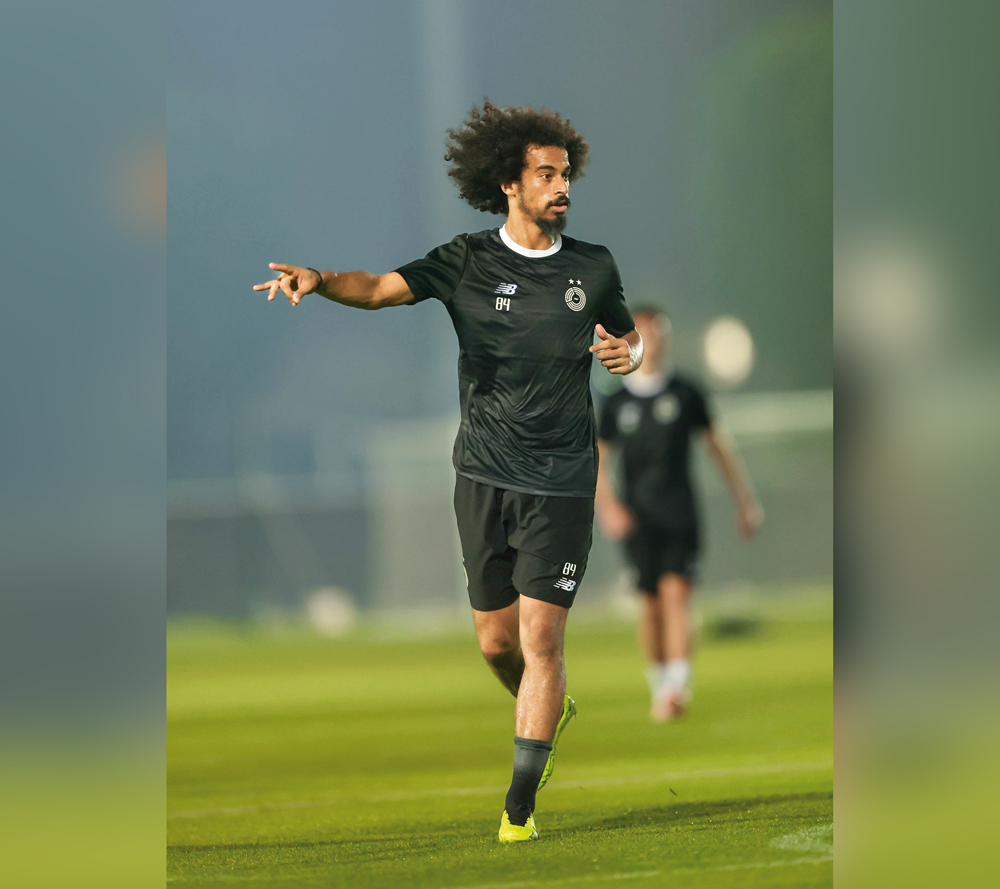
654,434
525,320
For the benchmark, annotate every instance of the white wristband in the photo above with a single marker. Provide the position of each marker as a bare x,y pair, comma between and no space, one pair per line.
634,354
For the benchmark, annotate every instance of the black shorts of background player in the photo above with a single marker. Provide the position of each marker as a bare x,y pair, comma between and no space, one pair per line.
526,303
652,422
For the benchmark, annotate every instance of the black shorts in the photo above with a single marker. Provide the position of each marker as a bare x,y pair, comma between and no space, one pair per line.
654,553
521,544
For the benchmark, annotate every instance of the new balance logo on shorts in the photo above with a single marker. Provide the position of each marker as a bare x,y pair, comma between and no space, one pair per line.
506,289
564,583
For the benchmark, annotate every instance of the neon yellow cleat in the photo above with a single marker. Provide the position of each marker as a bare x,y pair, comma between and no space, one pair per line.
516,833
568,712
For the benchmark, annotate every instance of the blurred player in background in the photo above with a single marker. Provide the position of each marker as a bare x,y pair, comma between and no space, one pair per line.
526,303
651,423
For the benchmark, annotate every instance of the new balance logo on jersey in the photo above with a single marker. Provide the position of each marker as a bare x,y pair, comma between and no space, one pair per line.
564,583
506,289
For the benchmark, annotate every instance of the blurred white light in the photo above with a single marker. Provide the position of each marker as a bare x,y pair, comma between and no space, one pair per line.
331,611
888,293
728,351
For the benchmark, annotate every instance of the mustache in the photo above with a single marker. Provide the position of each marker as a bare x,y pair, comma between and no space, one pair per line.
558,202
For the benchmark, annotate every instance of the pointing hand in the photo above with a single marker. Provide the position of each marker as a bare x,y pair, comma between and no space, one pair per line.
611,351
293,281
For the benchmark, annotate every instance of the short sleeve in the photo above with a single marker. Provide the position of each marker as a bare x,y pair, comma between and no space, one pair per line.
438,274
701,414
607,428
615,316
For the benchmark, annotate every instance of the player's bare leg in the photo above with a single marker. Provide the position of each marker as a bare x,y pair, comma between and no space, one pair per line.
499,641
674,594
540,698
538,716
651,630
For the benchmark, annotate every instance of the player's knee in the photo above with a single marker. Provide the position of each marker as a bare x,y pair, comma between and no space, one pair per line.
543,642
497,646
673,588
650,607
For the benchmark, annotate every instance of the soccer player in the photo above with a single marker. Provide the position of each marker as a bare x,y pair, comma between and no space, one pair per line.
525,302
652,421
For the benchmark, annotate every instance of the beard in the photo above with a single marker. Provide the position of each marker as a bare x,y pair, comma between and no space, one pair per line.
550,227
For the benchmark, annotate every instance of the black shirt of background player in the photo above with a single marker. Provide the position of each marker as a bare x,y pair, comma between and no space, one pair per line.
653,434
524,326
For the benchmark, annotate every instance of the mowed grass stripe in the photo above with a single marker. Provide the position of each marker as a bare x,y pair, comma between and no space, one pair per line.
498,789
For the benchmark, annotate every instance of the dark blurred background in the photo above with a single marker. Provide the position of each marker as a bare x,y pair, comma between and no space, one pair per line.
310,448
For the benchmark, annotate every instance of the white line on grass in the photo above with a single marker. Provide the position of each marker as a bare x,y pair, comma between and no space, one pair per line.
609,781
809,839
548,882
812,859
250,810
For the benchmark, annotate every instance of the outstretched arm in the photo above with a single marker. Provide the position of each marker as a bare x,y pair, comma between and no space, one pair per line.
616,519
749,514
357,289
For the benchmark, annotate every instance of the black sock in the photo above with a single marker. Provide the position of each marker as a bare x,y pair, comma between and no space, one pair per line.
530,757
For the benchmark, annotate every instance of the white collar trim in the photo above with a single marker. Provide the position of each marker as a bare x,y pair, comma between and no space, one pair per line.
525,251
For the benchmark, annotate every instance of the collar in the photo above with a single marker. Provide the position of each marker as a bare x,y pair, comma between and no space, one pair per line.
525,251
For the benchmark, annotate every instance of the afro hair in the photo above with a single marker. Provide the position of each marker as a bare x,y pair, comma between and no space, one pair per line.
490,148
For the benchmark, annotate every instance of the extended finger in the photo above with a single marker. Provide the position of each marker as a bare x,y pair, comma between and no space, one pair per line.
616,352
601,332
265,285
281,267
609,343
274,289
291,292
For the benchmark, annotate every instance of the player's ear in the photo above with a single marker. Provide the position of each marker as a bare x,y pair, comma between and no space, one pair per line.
509,188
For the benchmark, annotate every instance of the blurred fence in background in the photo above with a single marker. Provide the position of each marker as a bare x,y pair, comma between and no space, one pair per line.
260,544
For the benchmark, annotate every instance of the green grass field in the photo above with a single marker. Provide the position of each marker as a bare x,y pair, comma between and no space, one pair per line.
378,760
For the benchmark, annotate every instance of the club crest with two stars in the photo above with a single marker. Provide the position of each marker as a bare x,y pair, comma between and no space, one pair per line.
576,299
